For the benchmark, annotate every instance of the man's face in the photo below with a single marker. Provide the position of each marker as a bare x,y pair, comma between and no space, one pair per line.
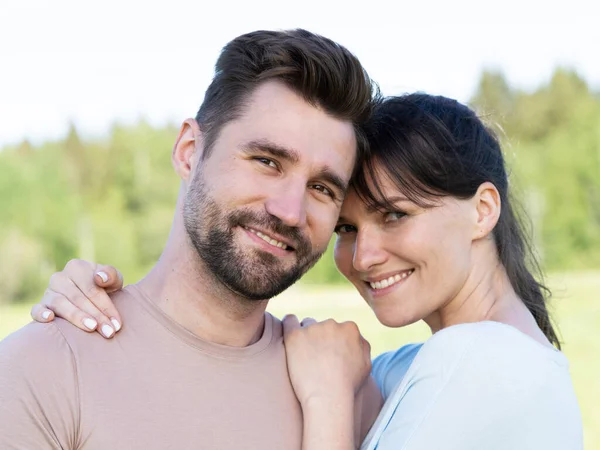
260,210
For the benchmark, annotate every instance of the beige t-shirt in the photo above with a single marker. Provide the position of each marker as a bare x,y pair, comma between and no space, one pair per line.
154,386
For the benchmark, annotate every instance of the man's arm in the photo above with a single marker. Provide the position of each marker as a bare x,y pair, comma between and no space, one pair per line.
39,405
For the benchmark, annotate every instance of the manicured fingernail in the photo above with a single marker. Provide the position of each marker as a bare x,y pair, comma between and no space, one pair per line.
90,323
116,324
107,331
46,315
103,275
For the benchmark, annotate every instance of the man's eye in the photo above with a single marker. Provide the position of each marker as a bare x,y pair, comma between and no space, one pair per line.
343,229
267,162
323,189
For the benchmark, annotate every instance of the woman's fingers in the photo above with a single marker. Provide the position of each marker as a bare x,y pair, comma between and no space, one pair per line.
108,278
54,301
307,321
76,283
290,323
40,313
77,294
325,358
95,281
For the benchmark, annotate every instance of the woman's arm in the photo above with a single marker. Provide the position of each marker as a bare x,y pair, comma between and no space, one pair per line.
329,423
79,294
327,362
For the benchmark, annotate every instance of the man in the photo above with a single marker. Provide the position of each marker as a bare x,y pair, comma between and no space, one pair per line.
264,167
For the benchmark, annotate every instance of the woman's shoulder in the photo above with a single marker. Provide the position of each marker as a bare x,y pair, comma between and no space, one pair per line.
494,359
389,368
488,375
492,343
476,351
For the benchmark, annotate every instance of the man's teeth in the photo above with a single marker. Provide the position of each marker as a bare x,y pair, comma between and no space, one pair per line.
267,239
390,281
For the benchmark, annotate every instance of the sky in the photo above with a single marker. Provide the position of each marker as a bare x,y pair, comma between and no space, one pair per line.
95,63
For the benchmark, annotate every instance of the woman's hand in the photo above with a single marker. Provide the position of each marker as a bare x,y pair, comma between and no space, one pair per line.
79,294
325,359
328,362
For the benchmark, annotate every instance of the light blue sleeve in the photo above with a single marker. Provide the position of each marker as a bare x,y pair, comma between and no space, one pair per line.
479,387
389,368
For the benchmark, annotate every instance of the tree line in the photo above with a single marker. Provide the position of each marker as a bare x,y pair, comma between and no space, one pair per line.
112,199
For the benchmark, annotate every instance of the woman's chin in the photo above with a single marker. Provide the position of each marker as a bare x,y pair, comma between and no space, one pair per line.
388,310
393,318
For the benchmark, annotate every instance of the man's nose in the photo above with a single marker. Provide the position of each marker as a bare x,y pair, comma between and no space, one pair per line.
289,205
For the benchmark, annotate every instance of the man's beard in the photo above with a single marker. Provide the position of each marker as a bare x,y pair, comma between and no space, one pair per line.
251,273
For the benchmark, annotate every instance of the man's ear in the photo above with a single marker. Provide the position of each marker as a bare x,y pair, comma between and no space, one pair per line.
187,151
487,206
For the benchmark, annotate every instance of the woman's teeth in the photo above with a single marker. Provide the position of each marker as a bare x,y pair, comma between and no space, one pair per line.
390,281
264,237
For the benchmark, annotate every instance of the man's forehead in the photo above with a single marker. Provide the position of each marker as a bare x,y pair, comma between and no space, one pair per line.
279,118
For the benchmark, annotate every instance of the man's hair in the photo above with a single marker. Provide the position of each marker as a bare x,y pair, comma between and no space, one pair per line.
321,71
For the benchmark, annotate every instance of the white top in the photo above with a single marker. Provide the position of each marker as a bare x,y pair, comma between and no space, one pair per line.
476,386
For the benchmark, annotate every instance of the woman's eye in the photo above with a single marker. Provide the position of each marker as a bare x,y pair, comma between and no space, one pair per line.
394,216
267,162
342,229
323,189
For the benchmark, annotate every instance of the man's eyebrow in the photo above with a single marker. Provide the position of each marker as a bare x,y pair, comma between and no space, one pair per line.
289,154
329,176
273,149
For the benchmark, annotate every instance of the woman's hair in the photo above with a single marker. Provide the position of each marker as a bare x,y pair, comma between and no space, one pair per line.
432,146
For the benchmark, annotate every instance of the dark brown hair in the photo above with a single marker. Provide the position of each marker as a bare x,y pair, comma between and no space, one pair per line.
432,146
323,72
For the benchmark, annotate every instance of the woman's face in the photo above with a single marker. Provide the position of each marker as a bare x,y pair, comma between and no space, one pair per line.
410,262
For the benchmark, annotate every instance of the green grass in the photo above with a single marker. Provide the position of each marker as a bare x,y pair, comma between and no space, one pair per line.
13,317
576,308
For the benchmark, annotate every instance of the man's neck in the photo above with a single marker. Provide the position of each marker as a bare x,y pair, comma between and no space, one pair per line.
184,289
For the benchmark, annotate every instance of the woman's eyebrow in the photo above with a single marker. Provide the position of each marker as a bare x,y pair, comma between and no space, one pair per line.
386,203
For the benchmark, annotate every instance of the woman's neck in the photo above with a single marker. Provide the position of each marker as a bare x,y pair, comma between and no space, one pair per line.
486,295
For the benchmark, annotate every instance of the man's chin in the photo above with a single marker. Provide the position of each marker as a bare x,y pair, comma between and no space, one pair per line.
255,295
260,288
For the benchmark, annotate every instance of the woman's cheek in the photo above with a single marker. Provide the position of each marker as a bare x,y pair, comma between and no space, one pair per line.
342,255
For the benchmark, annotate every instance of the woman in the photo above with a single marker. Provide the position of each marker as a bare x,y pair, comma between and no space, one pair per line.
427,232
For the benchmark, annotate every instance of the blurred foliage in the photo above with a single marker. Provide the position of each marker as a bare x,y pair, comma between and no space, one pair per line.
111,200
551,140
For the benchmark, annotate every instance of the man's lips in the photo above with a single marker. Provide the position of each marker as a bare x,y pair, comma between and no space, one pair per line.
270,238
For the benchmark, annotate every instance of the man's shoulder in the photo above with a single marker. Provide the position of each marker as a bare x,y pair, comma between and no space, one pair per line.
276,326
34,355
34,341
56,340
38,389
